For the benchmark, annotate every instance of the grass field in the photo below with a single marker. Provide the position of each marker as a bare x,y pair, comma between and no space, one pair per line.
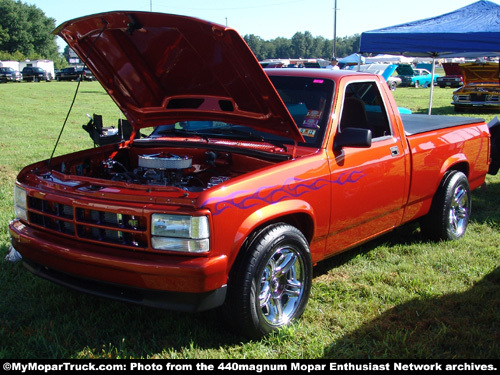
397,297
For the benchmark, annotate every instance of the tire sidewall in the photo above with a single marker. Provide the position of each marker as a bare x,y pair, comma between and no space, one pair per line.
268,251
435,225
455,180
246,284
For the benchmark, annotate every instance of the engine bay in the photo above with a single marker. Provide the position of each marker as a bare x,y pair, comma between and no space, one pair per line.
192,170
167,169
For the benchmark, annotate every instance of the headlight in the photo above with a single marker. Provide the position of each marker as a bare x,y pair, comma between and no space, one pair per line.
20,206
180,233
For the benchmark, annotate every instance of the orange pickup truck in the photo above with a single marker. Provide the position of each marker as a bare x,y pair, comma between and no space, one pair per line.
234,181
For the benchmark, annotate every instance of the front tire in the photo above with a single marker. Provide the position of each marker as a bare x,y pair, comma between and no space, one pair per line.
450,210
270,286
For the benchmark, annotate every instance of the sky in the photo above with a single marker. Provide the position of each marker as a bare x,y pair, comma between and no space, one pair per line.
269,19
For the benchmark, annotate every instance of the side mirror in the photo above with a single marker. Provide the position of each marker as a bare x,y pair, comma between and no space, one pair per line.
353,137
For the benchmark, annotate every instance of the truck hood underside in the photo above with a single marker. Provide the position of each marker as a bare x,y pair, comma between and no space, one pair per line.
161,68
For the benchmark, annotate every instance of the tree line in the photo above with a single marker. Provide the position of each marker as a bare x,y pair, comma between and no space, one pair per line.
302,45
26,33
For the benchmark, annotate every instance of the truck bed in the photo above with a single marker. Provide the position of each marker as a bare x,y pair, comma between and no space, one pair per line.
416,123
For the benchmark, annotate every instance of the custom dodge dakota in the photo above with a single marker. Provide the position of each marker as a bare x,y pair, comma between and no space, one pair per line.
234,181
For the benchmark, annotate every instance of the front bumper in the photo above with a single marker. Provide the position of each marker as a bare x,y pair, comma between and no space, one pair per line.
174,282
494,105
449,83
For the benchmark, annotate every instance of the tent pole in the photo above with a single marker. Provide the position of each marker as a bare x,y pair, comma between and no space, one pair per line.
432,83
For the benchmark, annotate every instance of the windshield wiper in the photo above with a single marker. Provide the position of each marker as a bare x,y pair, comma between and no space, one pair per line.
246,135
222,132
233,133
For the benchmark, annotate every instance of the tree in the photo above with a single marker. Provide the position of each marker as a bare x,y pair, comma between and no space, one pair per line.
299,44
283,47
348,45
25,29
255,43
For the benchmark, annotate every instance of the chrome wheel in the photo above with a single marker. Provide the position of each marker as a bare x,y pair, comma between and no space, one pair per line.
281,286
269,284
459,211
450,211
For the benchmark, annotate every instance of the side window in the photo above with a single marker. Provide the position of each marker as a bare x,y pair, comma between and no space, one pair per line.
364,108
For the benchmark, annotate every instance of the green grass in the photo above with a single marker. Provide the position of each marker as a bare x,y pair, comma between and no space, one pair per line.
396,297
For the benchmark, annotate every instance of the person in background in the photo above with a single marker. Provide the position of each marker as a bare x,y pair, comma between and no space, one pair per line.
333,64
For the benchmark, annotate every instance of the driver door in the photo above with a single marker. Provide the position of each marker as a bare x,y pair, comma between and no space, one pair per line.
367,184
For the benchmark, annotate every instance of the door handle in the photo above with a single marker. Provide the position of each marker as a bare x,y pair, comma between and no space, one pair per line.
394,151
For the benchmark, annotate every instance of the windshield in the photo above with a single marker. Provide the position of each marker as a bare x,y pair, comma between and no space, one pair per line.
307,99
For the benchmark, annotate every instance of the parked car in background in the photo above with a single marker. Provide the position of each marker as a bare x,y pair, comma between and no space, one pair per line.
481,87
393,82
453,76
35,74
383,69
74,74
272,64
414,77
9,75
86,75
68,74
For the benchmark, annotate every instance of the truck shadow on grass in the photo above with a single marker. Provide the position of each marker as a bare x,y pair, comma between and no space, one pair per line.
39,320
486,202
43,320
458,325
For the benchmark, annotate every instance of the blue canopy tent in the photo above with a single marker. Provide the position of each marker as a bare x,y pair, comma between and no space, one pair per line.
471,31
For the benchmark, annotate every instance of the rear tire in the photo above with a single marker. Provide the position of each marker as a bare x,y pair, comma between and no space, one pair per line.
450,210
269,287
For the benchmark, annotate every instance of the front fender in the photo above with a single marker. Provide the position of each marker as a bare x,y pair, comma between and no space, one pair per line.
269,214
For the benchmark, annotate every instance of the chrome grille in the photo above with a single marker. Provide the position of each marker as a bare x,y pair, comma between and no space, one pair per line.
477,97
88,223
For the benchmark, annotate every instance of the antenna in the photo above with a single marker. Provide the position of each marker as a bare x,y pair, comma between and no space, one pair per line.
335,30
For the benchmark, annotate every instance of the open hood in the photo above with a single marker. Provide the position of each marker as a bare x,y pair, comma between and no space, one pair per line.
160,68
479,72
452,69
405,70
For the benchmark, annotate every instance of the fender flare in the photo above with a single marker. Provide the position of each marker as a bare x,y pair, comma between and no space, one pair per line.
269,214
453,161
